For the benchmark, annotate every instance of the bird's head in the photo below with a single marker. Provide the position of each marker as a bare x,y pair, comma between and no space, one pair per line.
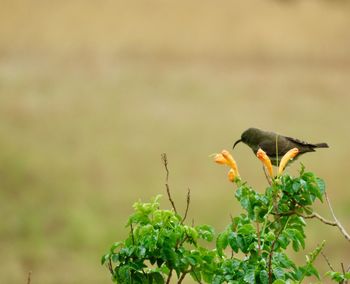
249,137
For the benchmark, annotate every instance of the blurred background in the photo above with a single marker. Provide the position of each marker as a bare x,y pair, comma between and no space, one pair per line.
92,92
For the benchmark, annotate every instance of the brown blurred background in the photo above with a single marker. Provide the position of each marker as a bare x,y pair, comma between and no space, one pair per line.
92,92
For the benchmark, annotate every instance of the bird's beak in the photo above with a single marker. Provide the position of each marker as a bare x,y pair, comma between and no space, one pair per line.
234,145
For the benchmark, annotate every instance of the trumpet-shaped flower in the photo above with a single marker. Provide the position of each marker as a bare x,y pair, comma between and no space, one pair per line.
220,159
230,161
286,158
225,158
262,156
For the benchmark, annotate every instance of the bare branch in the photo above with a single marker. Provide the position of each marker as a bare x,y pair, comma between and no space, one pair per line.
110,267
165,163
29,279
319,217
342,267
327,260
338,224
169,276
183,276
268,178
187,205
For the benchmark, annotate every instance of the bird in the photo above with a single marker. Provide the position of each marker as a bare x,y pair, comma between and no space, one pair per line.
274,144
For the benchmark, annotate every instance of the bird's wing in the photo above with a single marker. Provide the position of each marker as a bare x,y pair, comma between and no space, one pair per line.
301,143
270,147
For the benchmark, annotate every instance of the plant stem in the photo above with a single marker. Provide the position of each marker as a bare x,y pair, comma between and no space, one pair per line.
183,276
29,277
187,205
258,235
341,228
169,276
165,163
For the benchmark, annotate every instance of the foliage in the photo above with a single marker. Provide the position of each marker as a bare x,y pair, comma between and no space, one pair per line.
252,248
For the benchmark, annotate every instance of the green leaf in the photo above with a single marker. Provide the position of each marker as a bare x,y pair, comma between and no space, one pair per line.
282,260
296,186
105,258
246,229
232,240
191,233
264,277
300,238
205,232
222,242
270,236
116,245
157,278
278,272
311,270
295,245
321,186
196,276
336,276
283,241
279,281
249,276
241,243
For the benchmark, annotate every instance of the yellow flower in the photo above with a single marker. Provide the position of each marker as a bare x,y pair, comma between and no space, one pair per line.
231,175
225,158
286,158
230,161
220,159
262,156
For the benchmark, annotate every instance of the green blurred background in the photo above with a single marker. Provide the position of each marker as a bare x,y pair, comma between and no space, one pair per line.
92,92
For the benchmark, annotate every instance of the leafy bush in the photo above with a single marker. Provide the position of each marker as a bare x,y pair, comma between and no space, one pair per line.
252,248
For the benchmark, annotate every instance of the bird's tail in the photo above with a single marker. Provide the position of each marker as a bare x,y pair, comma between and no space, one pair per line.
322,145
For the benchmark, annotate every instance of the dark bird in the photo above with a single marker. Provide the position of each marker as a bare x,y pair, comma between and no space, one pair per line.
275,145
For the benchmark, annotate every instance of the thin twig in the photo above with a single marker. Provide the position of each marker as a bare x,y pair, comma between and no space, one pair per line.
319,217
342,267
258,235
132,234
338,224
310,216
187,205
169,276
343,270
327,260
165,163
183,276
110,267
268,178
29,279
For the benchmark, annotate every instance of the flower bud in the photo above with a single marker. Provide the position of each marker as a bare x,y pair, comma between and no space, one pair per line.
231,175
